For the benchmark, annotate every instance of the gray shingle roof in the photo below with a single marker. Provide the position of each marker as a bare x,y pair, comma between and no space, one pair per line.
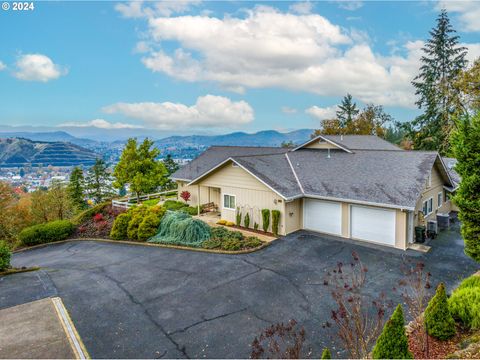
450,164
362,142
215,155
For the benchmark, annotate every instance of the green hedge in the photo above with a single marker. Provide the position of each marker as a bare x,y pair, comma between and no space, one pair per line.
464,304
120,226
45,233
5,256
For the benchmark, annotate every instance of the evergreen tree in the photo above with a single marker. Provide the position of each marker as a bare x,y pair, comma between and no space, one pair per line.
442,62
99,182
438,320
348,111
76,188
171,166
326,354
466,149
393,342
139,167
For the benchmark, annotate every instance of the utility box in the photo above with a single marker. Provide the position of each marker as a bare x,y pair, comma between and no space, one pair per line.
443,221
420,234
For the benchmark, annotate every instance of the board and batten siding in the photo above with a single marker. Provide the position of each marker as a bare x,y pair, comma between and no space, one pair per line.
431,191
250,195
321,144
293,215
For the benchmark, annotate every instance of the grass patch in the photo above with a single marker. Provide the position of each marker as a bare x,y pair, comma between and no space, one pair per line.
12,271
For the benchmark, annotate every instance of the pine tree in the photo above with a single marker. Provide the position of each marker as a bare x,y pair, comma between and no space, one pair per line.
438,320
442,62
171,166
326,354
99,182
466,149
76,188
393,342
348,111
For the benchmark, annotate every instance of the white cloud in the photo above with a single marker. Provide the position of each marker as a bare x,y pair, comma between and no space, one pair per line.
288,110
209,110
301,7
473,51
468,13
350,5
138,9
2,66
322,113
37,67
101,124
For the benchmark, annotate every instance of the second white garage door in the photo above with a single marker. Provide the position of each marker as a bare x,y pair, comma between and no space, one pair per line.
322,216
373,224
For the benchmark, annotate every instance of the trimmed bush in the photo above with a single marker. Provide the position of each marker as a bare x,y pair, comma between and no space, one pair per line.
230,223
190,210
238,217
326,354
137,214
393,341
174,205
222,222
275,221
89,213
178,228
255,226
222,238
246,220
438,320
148,227
45,233
222,233
266,219
464,304
120,226
5,255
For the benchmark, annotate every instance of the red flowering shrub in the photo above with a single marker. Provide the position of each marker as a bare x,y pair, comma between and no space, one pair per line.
98,217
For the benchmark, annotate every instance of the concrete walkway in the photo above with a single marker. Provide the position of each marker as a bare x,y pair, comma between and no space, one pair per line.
37,330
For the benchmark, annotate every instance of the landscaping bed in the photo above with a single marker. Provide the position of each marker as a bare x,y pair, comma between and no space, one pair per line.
96,222
23,269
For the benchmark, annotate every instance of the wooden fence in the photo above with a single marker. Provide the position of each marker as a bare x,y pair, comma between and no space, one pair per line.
130,201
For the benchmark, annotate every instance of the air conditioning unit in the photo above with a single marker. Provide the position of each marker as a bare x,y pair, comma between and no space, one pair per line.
432,226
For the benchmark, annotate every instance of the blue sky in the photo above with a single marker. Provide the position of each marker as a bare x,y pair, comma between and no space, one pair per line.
189,67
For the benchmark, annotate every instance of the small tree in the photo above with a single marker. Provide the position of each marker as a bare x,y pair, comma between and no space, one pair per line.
359,319
246,220
171,166
99,182
393,342
265,219
238,217
5,256
76,188
347,111
185,195
326,354
279,341
275,221
438,320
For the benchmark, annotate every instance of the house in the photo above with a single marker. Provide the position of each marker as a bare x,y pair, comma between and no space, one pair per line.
356,187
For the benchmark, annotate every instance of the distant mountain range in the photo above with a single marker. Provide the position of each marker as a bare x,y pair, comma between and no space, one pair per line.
48,136
19,152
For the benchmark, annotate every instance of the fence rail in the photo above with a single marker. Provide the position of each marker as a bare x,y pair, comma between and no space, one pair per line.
130,201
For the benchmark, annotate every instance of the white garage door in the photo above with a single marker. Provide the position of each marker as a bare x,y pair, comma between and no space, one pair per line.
323,216
373,224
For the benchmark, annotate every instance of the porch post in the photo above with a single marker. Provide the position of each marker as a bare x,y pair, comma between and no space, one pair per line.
198,199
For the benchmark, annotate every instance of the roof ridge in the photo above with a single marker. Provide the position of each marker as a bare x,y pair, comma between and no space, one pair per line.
250,147
247,156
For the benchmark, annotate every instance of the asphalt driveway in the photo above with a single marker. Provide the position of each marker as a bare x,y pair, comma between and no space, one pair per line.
143,302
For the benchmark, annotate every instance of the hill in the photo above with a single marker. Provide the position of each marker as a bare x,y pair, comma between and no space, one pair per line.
18,152
58,136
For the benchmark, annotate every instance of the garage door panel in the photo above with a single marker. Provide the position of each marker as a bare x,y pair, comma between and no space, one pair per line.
323,216
373,224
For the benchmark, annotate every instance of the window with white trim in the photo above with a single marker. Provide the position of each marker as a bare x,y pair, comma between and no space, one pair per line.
427,207
229,201
440,199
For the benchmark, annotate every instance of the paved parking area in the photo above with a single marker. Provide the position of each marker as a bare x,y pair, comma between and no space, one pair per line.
144,302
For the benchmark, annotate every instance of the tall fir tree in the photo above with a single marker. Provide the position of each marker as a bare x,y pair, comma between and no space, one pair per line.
76,188
99,182
442,61
347,111
171,166
466,149
139,167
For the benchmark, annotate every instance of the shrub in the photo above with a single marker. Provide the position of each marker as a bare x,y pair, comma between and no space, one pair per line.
222,222
190,210
252,242
98,217
393,342
255,226
90,213
148,227
275,221
265,219
178,228
230,240
246,220
137,214
238,217
45,233
150,202
230,223
120,226
464,304
5,256
326,354
438,320
174,205
212,244
185,195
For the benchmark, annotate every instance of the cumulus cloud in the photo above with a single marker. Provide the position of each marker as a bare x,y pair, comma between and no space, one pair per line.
209,110
468,12
350,5
2,66
288,110
301,7
139,9
322,113
37,67
101,124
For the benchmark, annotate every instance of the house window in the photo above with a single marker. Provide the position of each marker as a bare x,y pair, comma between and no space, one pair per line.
440,199
229,202
427,207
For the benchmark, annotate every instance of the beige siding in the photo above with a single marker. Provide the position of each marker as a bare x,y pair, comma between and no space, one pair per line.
401,230
320,144
431,191
293,215
193,190
345,220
